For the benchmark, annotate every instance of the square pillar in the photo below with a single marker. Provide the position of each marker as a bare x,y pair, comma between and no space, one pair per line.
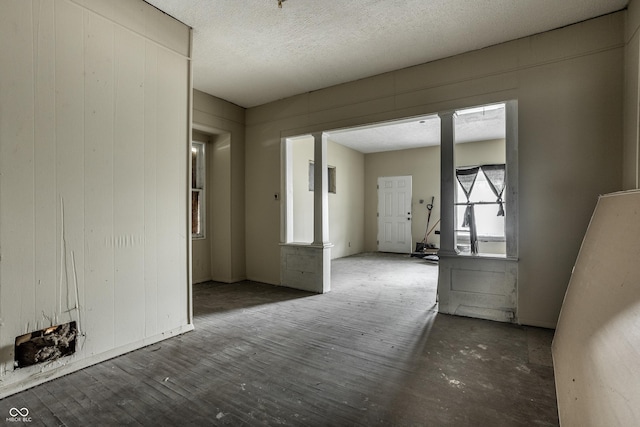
320,191
447,184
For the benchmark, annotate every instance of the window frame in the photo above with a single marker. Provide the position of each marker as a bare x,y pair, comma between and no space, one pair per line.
448,182
462,233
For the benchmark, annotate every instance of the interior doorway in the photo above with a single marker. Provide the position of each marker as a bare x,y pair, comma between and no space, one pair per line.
392,222
210,205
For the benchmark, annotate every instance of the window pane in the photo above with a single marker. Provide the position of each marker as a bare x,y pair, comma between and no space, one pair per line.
196,226
488,224
481,190
197,165
194,166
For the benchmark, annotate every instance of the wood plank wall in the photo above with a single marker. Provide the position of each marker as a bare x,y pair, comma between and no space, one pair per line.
94,99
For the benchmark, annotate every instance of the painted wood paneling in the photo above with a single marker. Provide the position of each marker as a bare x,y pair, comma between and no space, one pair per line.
69,110
306,267
99,185
46,204
173,153
128,202
477,287
17,177
69,154
151,171
357,92
93,190
219,111
148,22
169,32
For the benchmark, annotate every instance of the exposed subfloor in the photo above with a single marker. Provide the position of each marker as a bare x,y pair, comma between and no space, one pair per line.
373,351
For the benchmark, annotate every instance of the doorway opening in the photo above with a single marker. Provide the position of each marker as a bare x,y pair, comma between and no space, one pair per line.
358,157
414,148
210,178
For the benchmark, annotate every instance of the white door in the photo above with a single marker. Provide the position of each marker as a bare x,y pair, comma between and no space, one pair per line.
394,214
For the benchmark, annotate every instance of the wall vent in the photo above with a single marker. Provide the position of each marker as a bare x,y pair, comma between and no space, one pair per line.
45,345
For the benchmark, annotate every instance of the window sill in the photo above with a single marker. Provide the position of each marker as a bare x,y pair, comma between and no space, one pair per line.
464,239
483,256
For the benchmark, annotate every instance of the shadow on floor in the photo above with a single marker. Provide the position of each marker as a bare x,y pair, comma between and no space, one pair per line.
217,297
373,351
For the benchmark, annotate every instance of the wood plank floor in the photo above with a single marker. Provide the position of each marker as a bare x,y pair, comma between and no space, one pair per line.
373,351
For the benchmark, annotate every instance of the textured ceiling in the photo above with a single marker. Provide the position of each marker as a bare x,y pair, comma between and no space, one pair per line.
471,125
252,52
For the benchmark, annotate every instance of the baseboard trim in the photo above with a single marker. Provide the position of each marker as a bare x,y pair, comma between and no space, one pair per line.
48,373
536,323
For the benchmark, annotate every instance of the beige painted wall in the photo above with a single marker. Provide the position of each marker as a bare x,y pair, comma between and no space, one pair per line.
225,241
302,153
631,163
480,153
346,206
568,84
94,150
423,165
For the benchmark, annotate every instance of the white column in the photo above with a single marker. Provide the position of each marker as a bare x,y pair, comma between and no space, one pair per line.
447,184
320,191
511,192
308,266
286,192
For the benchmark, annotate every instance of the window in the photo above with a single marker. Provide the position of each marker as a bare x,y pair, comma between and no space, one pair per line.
331,175
480,209
197,190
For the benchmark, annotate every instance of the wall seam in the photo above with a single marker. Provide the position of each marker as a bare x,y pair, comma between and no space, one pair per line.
35,90
113,174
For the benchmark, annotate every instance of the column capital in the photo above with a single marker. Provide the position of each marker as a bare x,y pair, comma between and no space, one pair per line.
446,113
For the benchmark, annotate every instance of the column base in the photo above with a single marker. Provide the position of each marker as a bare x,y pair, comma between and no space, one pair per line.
306,266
